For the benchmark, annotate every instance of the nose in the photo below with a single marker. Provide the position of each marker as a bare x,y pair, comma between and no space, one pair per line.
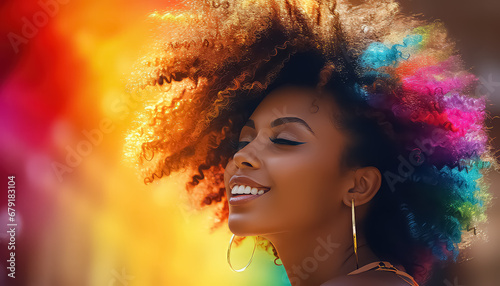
247,158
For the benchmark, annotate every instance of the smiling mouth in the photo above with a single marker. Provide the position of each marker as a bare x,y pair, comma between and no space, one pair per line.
238,190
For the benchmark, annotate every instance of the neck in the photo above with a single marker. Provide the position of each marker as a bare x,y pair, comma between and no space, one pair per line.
312,257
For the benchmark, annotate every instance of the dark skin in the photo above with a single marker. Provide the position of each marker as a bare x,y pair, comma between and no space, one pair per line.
295,154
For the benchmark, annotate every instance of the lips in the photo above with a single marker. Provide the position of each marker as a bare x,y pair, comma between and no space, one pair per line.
246,181
244,189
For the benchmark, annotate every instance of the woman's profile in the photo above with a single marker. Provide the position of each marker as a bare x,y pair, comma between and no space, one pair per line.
345,138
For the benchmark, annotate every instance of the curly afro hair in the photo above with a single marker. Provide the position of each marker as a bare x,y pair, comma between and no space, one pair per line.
407,102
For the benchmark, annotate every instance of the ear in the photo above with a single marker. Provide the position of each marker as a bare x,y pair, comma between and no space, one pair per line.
367,182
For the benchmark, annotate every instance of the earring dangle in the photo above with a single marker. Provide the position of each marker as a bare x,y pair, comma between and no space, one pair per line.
229,255
354,234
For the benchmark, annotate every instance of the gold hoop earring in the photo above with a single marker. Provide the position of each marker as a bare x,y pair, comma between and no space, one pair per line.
229,255
355,246
276,263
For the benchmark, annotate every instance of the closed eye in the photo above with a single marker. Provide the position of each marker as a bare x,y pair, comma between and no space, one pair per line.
279,141
285,141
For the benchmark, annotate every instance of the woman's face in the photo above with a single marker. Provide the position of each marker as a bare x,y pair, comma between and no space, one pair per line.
289,163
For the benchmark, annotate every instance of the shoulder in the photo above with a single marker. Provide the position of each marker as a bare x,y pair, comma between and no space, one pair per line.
372,278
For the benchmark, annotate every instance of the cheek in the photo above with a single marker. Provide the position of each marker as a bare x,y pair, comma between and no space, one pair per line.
305,187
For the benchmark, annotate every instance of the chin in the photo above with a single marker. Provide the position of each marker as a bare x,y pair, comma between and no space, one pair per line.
241,226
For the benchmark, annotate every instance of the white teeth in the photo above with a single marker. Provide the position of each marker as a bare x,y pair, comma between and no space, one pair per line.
242,189
247,190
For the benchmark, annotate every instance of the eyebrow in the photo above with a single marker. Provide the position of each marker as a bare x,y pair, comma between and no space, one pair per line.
282,120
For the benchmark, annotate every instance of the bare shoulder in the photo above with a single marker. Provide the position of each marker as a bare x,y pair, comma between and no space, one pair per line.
371,278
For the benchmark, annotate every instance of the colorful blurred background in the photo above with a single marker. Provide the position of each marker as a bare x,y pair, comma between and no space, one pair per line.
83,217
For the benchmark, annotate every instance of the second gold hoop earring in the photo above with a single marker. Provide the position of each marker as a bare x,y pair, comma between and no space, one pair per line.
355,245
229,255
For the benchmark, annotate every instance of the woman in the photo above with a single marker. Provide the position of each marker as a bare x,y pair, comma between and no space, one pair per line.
345,138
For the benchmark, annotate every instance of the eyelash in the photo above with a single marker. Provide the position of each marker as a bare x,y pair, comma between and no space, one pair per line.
279,141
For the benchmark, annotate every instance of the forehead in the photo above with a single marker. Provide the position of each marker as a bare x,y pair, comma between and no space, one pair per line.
295,101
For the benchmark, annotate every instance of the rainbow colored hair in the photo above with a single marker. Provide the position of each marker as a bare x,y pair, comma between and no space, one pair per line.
436,92
413,93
